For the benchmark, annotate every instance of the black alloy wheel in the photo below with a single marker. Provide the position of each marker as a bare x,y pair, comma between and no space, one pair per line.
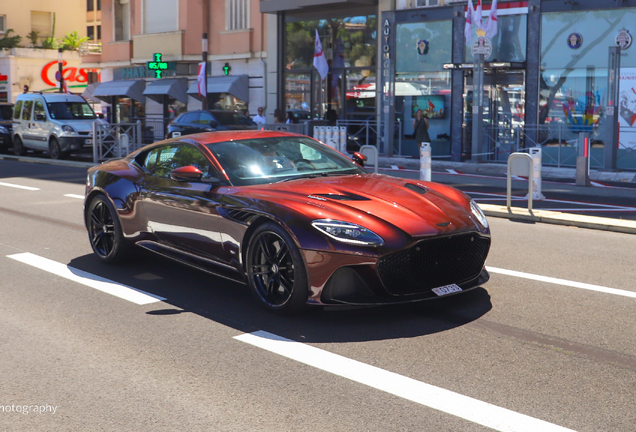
275,270
55,152
18,147
104,231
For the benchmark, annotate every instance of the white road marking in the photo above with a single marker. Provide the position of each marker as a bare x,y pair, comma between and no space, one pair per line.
19,186
474,410
74,196
99,283
565,282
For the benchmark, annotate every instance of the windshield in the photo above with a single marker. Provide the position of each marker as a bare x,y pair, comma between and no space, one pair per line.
270,160
70,111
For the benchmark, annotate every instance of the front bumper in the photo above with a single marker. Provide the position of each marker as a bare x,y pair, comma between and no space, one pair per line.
76,144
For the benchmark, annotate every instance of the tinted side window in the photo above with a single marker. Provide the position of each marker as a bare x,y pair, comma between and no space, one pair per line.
162,160
188,118
17,110
26,110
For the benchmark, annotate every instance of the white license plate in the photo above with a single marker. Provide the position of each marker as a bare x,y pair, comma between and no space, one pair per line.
446,289
89,141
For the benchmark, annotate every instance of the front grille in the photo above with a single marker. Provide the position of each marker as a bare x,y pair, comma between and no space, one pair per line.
433,263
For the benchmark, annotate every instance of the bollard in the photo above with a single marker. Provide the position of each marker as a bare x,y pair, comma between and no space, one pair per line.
583,160
343,140
425,161
535,153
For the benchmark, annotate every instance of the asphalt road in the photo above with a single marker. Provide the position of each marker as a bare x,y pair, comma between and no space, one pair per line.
548,344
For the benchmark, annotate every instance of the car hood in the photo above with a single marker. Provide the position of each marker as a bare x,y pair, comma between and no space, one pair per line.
79,125
416,207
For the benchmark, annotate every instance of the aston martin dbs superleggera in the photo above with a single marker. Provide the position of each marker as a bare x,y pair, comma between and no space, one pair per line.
295,220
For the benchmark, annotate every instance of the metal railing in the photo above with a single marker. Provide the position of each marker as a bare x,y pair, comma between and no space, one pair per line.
115,140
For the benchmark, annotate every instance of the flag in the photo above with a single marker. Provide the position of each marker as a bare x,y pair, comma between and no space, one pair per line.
478,16
320,61
470,19
202,81
491,24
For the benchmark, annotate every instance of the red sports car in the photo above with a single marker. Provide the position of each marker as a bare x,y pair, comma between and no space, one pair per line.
297,221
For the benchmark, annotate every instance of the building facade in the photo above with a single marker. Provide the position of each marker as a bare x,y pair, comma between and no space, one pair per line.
151,51
547,76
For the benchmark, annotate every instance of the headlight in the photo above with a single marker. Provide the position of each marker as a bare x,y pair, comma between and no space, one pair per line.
3,130
67,129
481,217
348,232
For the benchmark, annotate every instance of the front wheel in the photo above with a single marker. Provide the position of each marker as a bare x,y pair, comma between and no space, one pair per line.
275,270
18,146
55,152
105,232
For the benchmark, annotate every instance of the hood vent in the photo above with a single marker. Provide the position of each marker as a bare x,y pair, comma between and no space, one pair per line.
339,197
416,188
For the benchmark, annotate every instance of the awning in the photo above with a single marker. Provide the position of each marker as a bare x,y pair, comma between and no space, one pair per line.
88,92
133,89
236,85
173,87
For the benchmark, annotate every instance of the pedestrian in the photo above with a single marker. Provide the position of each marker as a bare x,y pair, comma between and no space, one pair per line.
278,116
246,113
259,118
290,118
420,128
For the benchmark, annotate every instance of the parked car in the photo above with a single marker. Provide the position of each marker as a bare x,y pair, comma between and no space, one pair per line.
207,121
60,123
295,220
6,125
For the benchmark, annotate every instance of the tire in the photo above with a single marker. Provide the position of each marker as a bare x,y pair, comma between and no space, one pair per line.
18,147
275,270
105,232
55,152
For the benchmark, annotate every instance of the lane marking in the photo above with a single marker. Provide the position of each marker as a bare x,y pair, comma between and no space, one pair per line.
565,282
97,282
19,186
74,196
465,407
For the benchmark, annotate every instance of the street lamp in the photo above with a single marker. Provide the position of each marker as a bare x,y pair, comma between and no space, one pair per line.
60,67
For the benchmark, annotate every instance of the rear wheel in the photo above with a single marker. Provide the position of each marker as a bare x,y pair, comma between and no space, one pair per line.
55,152
105,232
275,270
18,147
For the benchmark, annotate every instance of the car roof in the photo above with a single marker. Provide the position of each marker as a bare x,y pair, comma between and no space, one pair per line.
52,97
220,136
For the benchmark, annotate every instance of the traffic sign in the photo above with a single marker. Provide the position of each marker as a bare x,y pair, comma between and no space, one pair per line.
482,45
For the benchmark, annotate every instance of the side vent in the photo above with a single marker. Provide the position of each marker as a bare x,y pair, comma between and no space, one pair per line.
240,216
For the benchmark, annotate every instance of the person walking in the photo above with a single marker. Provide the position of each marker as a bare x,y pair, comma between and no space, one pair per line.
278,116
420,127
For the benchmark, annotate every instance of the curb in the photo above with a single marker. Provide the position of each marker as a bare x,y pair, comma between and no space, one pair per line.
68,163
555,218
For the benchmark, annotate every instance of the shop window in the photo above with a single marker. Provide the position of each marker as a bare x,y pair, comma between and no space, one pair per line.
160,16
237,14
42,23
3,24
90,6
122,20
90,32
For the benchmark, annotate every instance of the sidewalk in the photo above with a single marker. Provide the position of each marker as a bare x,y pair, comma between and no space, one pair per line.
628,179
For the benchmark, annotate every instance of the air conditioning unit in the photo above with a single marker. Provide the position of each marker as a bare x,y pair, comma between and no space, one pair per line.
428,3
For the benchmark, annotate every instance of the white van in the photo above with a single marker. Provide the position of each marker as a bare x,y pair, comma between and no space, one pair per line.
59,123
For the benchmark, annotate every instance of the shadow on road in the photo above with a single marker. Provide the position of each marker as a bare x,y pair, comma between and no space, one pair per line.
192,291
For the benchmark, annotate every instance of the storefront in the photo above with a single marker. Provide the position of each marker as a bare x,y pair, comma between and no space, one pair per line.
37,69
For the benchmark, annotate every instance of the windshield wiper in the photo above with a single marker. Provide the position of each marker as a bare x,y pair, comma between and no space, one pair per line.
304,176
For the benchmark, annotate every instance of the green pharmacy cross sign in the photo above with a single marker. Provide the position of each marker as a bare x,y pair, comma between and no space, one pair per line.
157,66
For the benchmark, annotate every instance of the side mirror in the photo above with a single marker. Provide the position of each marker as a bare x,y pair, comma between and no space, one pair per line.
213,124
359,158
40,117
186,173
